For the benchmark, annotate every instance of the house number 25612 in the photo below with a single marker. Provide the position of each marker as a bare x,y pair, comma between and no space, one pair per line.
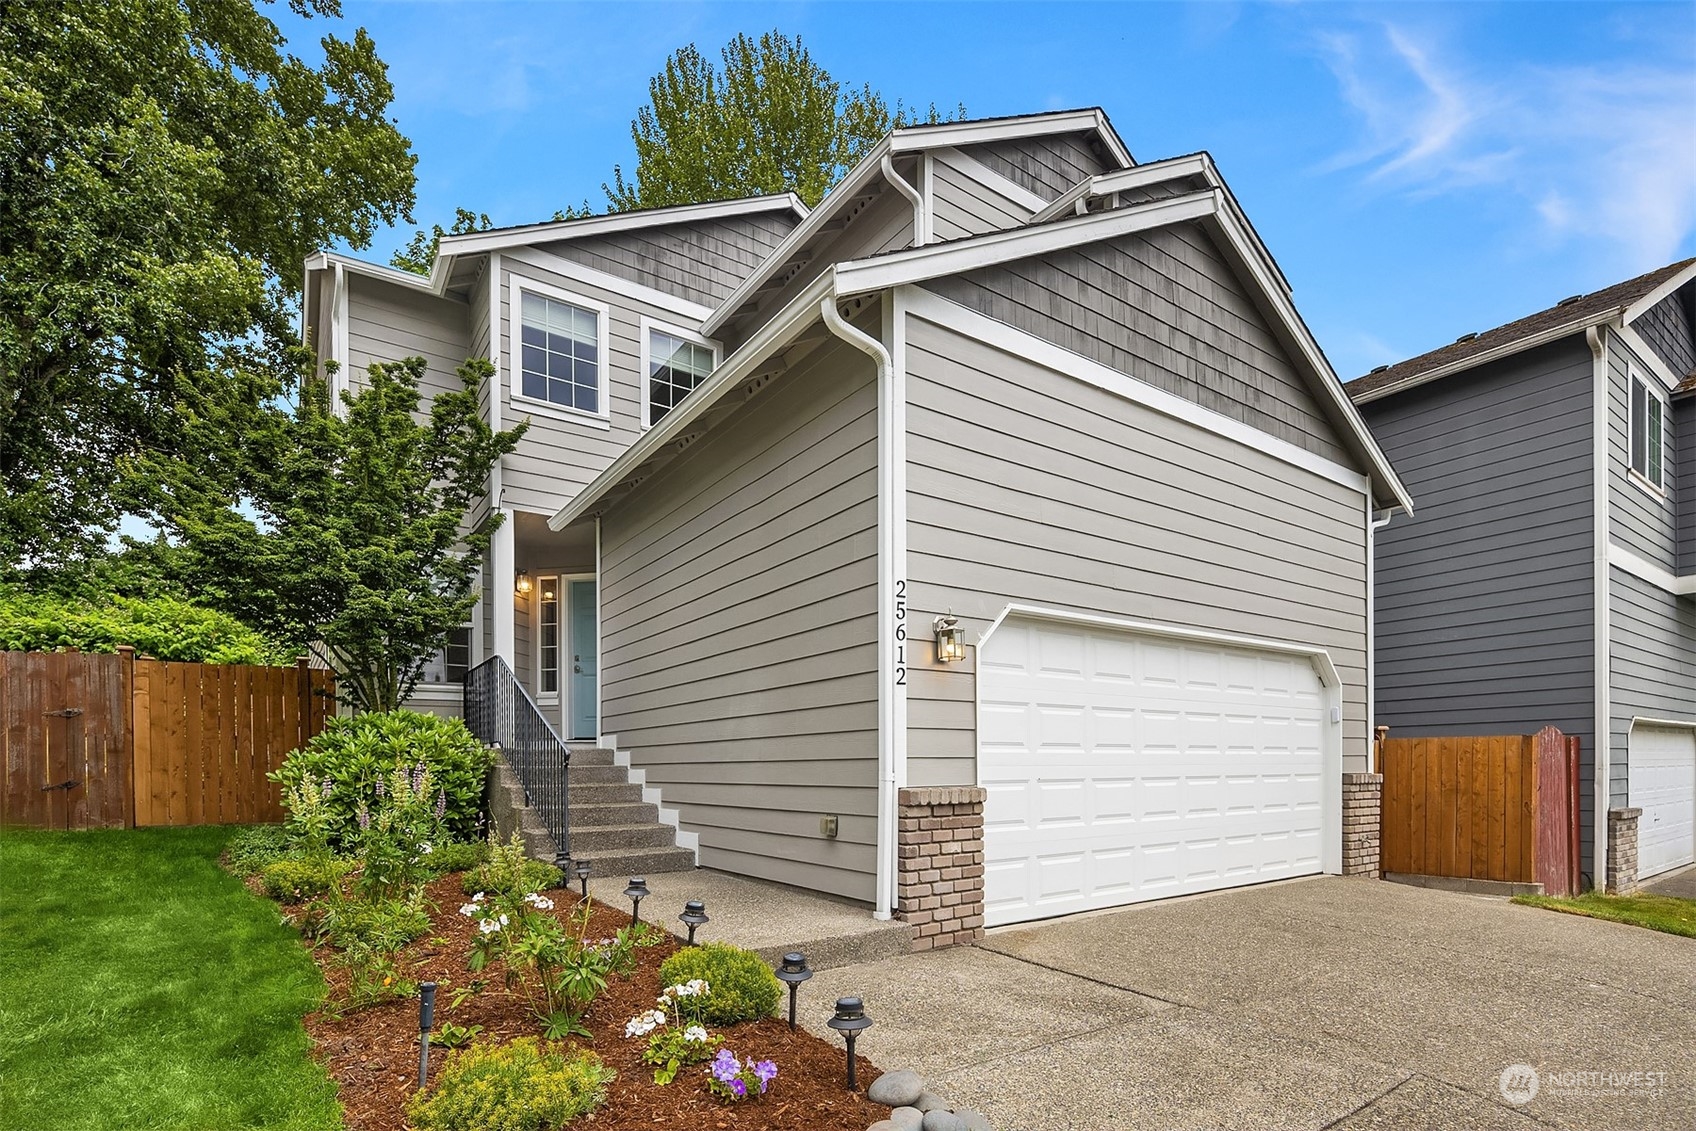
900,632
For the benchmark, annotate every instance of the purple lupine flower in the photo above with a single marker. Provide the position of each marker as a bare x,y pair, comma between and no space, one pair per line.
441,804
364,818
379,787
766,1070
325,786
416,777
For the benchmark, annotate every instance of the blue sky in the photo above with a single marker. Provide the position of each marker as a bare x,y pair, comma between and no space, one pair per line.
1419,170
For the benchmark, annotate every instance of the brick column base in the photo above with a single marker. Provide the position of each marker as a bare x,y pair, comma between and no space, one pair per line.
940,844
1363,802
1622,850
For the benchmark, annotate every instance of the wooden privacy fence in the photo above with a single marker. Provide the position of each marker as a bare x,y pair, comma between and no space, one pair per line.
1497,807
95,740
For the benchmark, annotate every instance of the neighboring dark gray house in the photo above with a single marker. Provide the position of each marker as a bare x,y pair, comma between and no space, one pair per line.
1006,480
1549,576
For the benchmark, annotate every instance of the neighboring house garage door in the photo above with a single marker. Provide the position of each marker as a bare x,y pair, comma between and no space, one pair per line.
1122,767
1663,785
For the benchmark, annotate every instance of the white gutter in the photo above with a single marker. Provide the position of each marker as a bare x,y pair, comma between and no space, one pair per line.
1494,353
887,739
921,218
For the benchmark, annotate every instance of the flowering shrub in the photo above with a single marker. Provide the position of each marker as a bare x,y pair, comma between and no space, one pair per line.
743,986
676,1038
360,754
518,1085
394,844
731,1079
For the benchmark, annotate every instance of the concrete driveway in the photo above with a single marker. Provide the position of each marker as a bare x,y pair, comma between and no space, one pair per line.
1322,1003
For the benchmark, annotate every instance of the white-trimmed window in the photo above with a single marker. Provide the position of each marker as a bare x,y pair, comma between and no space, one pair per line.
1648,432
453,661
547,636
562,349
674,362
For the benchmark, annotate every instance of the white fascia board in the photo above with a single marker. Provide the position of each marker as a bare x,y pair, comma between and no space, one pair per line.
1011,340
322,259
1644,355
797,314
1621,558
577,272
913,139
850,186
1484,357
1653,298
473,243
1239,240
859,276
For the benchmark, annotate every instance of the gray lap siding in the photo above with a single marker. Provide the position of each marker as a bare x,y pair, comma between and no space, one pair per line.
739,634
1652,666
1025,485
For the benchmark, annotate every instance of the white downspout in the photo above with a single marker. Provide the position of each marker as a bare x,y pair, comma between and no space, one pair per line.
886,737
1373,526
921,218
1601,590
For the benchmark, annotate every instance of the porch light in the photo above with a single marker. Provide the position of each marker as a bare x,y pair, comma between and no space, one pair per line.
636,893
522,582
850,1021
950,645
694,915
582,870
792,973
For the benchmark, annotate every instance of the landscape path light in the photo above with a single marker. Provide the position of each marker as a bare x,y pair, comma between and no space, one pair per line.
426,1017
792,972
562,861
636,893
694,915
583,877
850,1020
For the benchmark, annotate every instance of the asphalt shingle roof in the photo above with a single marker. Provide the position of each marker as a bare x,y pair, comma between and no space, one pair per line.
1579,309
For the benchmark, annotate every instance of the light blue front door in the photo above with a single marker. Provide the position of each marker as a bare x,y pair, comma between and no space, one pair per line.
584,670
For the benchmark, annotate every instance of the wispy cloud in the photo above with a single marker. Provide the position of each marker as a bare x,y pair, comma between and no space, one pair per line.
1605,154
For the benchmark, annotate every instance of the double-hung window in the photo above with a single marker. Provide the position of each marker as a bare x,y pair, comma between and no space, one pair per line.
1648,433
562,346
453,661
673,364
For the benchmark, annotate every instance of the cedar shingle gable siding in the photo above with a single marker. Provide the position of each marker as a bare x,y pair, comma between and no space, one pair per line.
702,262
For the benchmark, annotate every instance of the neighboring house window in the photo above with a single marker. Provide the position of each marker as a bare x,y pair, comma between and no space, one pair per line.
453,661
675,365
560,356
548,637
1648,432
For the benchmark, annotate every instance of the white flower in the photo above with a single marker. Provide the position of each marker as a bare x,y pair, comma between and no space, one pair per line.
644,1023
425,849
539,902
695,1033
469,909
503,920
478,898
490,926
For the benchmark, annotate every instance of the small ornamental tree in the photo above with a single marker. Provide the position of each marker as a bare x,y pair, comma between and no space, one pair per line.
350,534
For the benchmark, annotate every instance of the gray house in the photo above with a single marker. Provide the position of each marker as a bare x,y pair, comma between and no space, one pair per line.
990,543
1550,575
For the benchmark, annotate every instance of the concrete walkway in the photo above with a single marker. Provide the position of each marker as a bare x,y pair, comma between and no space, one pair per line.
1323,1003
1681,883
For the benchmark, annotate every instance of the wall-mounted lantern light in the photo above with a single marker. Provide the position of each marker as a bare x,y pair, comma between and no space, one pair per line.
523,583
950,642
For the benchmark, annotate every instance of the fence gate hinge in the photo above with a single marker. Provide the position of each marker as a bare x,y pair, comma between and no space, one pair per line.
62,785
64,713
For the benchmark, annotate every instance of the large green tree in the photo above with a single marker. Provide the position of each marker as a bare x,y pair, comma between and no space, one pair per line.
165,167
769,120
350,536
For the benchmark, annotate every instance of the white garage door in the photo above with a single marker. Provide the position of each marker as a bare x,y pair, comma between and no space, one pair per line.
1122,767
1663,785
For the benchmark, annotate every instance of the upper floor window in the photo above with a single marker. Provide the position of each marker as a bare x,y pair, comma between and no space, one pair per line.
675,364
1648,432
562,352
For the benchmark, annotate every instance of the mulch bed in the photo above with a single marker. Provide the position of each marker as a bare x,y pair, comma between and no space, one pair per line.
373,1053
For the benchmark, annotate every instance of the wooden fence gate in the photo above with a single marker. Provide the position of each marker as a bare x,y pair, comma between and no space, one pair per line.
1498,807
92,740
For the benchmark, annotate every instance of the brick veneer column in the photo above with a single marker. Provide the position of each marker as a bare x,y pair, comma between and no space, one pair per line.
1622,850
940,843
1363,806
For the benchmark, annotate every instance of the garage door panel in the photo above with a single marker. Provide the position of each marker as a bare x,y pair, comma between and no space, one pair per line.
1663,786
1120,767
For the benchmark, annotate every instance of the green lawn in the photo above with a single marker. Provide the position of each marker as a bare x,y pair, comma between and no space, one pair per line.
143,987
1657,912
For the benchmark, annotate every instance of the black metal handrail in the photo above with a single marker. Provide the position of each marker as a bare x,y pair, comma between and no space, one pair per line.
501,713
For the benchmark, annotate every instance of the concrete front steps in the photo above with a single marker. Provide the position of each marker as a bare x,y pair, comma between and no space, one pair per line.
618,833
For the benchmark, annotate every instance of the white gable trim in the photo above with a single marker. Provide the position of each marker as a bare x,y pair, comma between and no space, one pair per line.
1140,176
1653,299
319,260
1644,570
475,243
577,272
1008,129
1645,357
950,315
